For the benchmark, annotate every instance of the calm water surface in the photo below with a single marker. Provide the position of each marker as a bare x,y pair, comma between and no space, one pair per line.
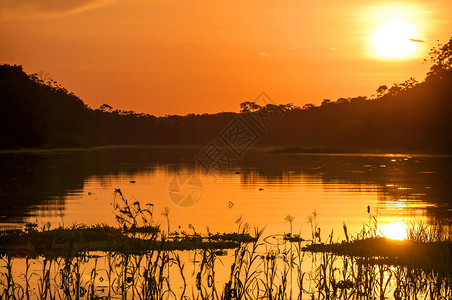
73,187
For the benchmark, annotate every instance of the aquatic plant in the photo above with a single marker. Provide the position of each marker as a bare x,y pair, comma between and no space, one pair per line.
138,261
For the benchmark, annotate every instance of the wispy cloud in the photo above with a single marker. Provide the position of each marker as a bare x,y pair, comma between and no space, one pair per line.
264,54
24,9
417,40
332,48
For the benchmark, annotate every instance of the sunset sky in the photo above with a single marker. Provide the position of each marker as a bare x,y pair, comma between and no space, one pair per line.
177,57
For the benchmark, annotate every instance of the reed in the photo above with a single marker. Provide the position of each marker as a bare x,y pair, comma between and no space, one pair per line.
143,262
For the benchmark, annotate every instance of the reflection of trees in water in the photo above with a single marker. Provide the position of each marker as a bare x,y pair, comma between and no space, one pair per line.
44,179
402,179
29,180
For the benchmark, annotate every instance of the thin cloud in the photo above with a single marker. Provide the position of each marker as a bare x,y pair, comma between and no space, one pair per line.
416,40
332,48
24,9
264,54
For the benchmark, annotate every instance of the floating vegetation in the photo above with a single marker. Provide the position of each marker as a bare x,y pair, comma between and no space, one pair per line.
69,242
425,255
137,260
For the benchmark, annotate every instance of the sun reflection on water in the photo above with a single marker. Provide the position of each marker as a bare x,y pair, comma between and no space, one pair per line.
395,231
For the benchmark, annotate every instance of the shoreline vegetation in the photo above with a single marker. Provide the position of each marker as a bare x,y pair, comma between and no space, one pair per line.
75,240
137,233
426,249
136,259
141,259
407,117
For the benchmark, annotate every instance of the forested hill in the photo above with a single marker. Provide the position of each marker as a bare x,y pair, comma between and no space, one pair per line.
411,116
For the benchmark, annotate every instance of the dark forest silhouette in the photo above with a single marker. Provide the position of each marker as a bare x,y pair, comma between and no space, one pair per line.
410,116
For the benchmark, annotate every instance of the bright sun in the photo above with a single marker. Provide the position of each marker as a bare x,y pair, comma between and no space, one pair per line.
395,231
394,39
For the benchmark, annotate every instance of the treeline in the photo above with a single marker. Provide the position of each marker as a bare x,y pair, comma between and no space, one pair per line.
410,116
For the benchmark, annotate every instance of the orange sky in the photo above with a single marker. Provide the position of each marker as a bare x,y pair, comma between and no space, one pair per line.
177,57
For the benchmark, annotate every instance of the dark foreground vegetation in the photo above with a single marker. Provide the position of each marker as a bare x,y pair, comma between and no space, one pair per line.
138,260
73,241
428,256
136,234
410,116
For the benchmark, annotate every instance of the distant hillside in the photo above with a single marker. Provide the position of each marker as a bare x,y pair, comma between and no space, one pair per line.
411,116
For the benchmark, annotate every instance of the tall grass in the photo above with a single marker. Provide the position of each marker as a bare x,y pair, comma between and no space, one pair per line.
260,267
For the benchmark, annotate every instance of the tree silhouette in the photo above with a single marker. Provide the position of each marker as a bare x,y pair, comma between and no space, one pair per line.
106,108
308,106
409,83
249,106
342,101
441,59
326,102
409,116
382,90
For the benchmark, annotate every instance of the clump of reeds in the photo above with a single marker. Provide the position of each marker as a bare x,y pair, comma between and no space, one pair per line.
145,268
437,231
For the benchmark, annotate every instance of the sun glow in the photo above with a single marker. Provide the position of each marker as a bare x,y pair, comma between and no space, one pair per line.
395,31
395,39
395,231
